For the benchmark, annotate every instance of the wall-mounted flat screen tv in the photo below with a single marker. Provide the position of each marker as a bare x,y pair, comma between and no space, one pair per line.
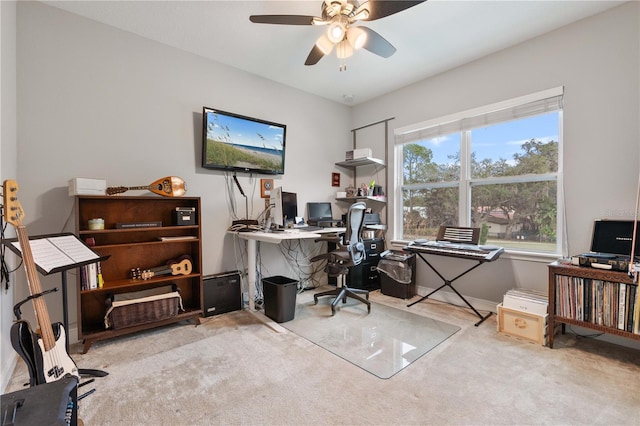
235,142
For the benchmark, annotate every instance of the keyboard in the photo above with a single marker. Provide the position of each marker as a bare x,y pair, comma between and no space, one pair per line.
465,251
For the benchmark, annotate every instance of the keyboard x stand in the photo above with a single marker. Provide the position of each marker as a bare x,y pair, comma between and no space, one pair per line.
447,283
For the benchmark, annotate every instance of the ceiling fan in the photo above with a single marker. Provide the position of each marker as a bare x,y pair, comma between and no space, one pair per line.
340,16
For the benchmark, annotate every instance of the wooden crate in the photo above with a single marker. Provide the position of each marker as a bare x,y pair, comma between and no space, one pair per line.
523,325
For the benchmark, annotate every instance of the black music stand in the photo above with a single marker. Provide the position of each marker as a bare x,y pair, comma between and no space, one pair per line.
59,253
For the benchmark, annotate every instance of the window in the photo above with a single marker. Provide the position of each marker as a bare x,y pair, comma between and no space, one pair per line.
495,168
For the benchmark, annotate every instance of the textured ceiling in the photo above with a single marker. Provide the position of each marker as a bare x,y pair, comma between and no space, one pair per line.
430,38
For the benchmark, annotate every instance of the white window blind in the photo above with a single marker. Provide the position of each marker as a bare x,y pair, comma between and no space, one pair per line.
525,106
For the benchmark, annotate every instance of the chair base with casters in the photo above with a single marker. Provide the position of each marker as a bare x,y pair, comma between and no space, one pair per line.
336,269
341,293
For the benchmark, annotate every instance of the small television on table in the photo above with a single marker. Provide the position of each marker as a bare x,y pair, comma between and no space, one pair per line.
234,142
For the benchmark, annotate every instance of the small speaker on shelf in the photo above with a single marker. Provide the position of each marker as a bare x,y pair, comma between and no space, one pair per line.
221,293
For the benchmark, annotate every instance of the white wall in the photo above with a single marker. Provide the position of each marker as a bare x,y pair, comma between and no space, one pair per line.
94,101
597,61
8,166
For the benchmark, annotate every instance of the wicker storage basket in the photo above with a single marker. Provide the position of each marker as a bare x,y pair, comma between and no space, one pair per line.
129,309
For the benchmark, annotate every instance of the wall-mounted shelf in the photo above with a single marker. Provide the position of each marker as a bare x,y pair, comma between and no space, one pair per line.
372,168
381,199
359,162
366,161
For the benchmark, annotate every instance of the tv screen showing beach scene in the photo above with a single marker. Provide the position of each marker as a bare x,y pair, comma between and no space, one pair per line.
235,142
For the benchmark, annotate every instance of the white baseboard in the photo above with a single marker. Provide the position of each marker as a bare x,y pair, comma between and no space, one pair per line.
452,298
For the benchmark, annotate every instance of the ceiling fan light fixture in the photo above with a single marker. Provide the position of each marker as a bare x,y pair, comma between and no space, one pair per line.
324,44
344,50
339,16
336,30
357,37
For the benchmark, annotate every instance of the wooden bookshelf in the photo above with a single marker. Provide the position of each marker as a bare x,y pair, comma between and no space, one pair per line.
130,248
590,298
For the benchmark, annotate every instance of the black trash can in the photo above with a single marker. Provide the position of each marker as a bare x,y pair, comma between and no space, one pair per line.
398,275
279,298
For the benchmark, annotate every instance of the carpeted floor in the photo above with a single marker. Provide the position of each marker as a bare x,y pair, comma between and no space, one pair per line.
235,370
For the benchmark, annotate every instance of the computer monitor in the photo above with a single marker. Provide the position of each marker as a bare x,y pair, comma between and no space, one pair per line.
283,207
317,213
289,207
275,206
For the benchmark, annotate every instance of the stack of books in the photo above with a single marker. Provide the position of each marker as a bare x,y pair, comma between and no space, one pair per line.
91,276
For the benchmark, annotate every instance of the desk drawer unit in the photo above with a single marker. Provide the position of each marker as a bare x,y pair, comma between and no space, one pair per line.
366,275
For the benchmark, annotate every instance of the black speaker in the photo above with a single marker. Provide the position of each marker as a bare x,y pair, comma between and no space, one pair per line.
53,403
222,293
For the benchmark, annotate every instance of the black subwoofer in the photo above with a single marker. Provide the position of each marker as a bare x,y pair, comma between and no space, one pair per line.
222,293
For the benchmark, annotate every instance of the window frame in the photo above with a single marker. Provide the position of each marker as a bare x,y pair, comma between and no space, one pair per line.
522,107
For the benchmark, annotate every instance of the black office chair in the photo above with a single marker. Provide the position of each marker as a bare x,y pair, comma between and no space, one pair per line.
350,252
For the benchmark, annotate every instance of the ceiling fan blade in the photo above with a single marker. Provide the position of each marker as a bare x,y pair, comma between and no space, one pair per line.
282,19
381,8
314,56
377,44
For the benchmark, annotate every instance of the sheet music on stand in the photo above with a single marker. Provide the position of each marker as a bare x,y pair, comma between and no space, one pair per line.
59,252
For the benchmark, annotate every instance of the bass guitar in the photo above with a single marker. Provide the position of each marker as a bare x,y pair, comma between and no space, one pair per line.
170,186
181,266
44,351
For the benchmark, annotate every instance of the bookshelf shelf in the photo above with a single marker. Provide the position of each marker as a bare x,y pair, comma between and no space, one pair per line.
591,298
137,284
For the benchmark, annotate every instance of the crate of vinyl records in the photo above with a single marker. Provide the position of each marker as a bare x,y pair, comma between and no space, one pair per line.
142,307
523,314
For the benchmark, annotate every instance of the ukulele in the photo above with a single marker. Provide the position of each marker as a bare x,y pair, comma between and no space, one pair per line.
170,186
182,266
44,351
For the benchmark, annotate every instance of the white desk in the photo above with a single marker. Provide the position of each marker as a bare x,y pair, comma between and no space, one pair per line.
253,238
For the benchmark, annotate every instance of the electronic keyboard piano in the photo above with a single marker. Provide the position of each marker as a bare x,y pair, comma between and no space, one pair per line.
464,251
